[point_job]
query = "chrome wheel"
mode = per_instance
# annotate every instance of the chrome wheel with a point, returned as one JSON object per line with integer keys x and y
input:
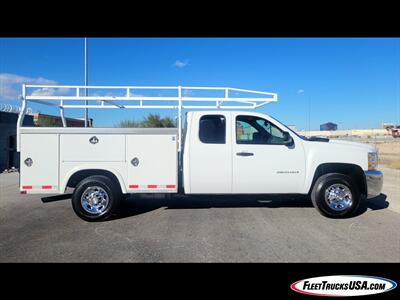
{"x": 94, "y": 200}
{"x": 338, "y": 197}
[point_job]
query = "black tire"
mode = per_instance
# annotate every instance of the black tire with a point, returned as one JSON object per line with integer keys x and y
{"x": 113, "y": 194}
{"x": 326, "y": 181}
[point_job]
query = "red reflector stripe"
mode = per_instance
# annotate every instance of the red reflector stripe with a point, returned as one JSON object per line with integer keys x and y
{"x": 46, "y": 187}
{"x": 152, "y": 186}
{"x": 27, "y": 187}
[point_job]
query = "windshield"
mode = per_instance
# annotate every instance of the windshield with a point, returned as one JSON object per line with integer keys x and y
{"x": 291, "y": 130}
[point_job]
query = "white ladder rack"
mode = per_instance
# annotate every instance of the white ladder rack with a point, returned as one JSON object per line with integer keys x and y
{"x": 61, "y": 96}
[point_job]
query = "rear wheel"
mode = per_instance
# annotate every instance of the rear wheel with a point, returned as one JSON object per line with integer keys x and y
{"x": 335, "y": 195}
{"x": 96, "y": 198}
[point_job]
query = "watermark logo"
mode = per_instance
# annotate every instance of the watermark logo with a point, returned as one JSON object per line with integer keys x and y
{"x": 343, "y": 285}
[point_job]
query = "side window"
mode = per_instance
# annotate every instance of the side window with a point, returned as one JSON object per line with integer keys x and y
{"x": 255, "y": 130}
{"x": 212, "y": 129}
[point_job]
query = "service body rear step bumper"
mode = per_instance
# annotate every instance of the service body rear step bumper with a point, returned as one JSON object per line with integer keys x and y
{"x": 374, "y": 179}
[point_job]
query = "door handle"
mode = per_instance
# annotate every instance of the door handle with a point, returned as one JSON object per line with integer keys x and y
{"x": 244, "y": 154}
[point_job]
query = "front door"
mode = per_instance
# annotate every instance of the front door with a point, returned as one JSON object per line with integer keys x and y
{"x": 261, "y": 162}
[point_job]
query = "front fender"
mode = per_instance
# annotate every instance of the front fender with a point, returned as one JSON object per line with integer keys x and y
{"x": 318, "y": 154}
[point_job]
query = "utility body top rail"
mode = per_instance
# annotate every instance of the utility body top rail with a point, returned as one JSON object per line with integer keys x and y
{"x": 60, "y": 96}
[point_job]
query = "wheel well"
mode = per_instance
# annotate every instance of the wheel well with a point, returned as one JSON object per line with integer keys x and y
{"x": 80, "y": 175}
{"x": 354, "y": 171}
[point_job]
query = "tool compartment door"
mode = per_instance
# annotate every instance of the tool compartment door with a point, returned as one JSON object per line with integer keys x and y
{"x": 92, "y": 148}
{"x": 152, "y": 163}
{"x": 42, "y": 175}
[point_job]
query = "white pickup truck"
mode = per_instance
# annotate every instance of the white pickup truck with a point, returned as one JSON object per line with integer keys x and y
{"x": 221, "y": 151}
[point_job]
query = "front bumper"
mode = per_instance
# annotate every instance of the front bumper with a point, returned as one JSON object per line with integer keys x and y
{"x": 374, "y": 179}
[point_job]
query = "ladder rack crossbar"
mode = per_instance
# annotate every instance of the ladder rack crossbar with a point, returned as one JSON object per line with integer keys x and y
{"x": 161, "y": 106}
{"x": 124, "y": 98}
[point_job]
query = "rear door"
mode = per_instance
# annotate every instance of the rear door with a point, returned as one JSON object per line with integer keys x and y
{"x": 210, "y": 155}
{"x": 261, "y": 163}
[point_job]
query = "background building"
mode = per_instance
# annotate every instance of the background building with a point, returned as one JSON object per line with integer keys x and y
{"x": 328, "y": 126}
{"x": 43, "y": 120}
{"x": 9, "y": 157}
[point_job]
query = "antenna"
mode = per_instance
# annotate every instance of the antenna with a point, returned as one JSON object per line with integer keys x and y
{"x": 309, "y": 114}
{"x": 86, "y": 83}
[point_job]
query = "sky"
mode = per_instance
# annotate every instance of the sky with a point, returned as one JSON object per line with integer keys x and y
{"x": 354, "y": 82}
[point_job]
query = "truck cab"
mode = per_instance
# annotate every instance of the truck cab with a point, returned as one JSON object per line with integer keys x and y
{"x": 240, "y": 152}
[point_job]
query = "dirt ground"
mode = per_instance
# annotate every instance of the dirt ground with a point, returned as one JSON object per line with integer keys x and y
{"x": 388, "y": 153}
{"x": 389, "y": 164}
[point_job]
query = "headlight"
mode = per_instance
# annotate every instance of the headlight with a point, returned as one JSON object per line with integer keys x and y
{"x": 372, "y": 160}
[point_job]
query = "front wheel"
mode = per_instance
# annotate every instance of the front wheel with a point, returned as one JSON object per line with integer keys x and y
{"x": 335, "y": 195}
{"x": 96, "y": 198}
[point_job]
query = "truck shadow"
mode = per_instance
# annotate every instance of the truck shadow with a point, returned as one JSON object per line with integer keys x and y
{"x": 376, "y": 203}
{"x": 142, "y": 204}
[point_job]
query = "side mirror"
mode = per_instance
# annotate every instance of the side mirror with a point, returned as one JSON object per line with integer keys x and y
{"x": 287, "y": 139}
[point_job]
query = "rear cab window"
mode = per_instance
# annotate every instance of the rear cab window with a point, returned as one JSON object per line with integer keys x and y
{"x": 212, "y": 129}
